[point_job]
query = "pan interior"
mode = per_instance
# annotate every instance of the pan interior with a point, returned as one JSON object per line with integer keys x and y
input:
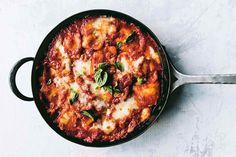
{"x": 37, "y": 72}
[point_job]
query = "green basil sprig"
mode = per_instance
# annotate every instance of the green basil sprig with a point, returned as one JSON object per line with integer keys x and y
{"x": 112, "y": 89}
{"x": 119, "y": 66}
{"x": 109, "y": 89}
{"x": 87, "y": 113}
{"x": 101, "y": 76}
{"x": 140, "y": 80}
{"x": 103, "y": 65}
{"x": 130, "y": 38}
{"x": 119, "y": 45}
{"x": 49, "y": 81}
{"x": 74, "y": 96}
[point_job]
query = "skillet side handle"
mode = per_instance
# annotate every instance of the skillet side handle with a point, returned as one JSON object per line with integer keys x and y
{"x": 13, "y": 72}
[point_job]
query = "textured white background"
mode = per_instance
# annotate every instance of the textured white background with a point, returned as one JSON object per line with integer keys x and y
{"x": 199, "y": 120}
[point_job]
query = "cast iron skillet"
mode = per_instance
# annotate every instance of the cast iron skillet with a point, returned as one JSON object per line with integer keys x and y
{"x": 170, "y": 77}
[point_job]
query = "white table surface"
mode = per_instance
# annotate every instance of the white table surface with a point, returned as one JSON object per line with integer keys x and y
{"x": 199, "y": 120}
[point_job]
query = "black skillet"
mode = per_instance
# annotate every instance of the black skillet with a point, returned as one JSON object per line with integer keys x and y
{"x": 170, "y": 77}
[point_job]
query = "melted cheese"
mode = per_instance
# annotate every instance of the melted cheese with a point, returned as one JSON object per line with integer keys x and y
{"x": 125, "y": 64}
{"x": 82, "y": 67}
{"x": 62, "y": 50}
{"x": 154, "y": 55}
{"x": 145, "y": 114}
{"x": 83, "y": 98}
{"x": 99, "y": 104}
{"x": 130, "y": 66}
{"x": 123, "y": 109}
{"x": 126, "y": 68}
{"x": 108, "y": 126}
{"x": 66, "y": 62}
{"x": 74, "y": 86}
{"x": 66, "y": 117}
{"x": 137, "y": 62}
{"x": 64, "y": 56}
{"x": 103, "y": 24}
{"x": 92, "y": 85}
{"x": 61, "y": 81}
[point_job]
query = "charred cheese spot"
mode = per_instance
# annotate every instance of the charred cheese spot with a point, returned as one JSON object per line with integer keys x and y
{"x": 105, "y": 25}
{"x": 100, "y": 28}
{"x": 104, "y": 95}
{"x": 98, "y": 57}
{"x": 146, "y": 94}
{"x": 72, "y": 42}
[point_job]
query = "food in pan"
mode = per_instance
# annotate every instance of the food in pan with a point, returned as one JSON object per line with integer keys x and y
{"x": 100, "y": 78}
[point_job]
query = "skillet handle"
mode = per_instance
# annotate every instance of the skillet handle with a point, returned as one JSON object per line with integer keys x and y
{"x": 13, "y": 72}
{"x": 182, "y": 79}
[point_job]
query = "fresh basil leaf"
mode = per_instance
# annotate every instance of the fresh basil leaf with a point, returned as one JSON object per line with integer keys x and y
{"x": 101, "y": 77}
{"x": 74, "y": 97}
{"x": 86, "y": 113}
{"x": 108, "y": 88}
{"x": 103, "y": 65}
{"x": 140, "y": 80}
{"x": 130, "y": 38}
{"x": 116, "y": 89}
{"x": 49, "y": 81}
{"x": 97, "y": 74}
{"x": 119, "y": 45}
{"x": 119, "y": 66}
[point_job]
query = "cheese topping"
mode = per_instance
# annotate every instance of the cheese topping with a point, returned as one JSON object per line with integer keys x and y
{"x": 82, "y": 67}
{"x": 124, "y": 108}
{"x": 104, "y": 25}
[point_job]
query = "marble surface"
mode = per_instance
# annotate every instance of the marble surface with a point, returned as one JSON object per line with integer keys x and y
{"x": 198, "y": 121}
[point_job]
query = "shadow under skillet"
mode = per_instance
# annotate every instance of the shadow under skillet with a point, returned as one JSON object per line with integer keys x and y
{"x": 175, "y": 100}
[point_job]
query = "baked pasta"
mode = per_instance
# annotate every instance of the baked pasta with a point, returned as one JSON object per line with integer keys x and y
{"x": 100, "y": 78}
